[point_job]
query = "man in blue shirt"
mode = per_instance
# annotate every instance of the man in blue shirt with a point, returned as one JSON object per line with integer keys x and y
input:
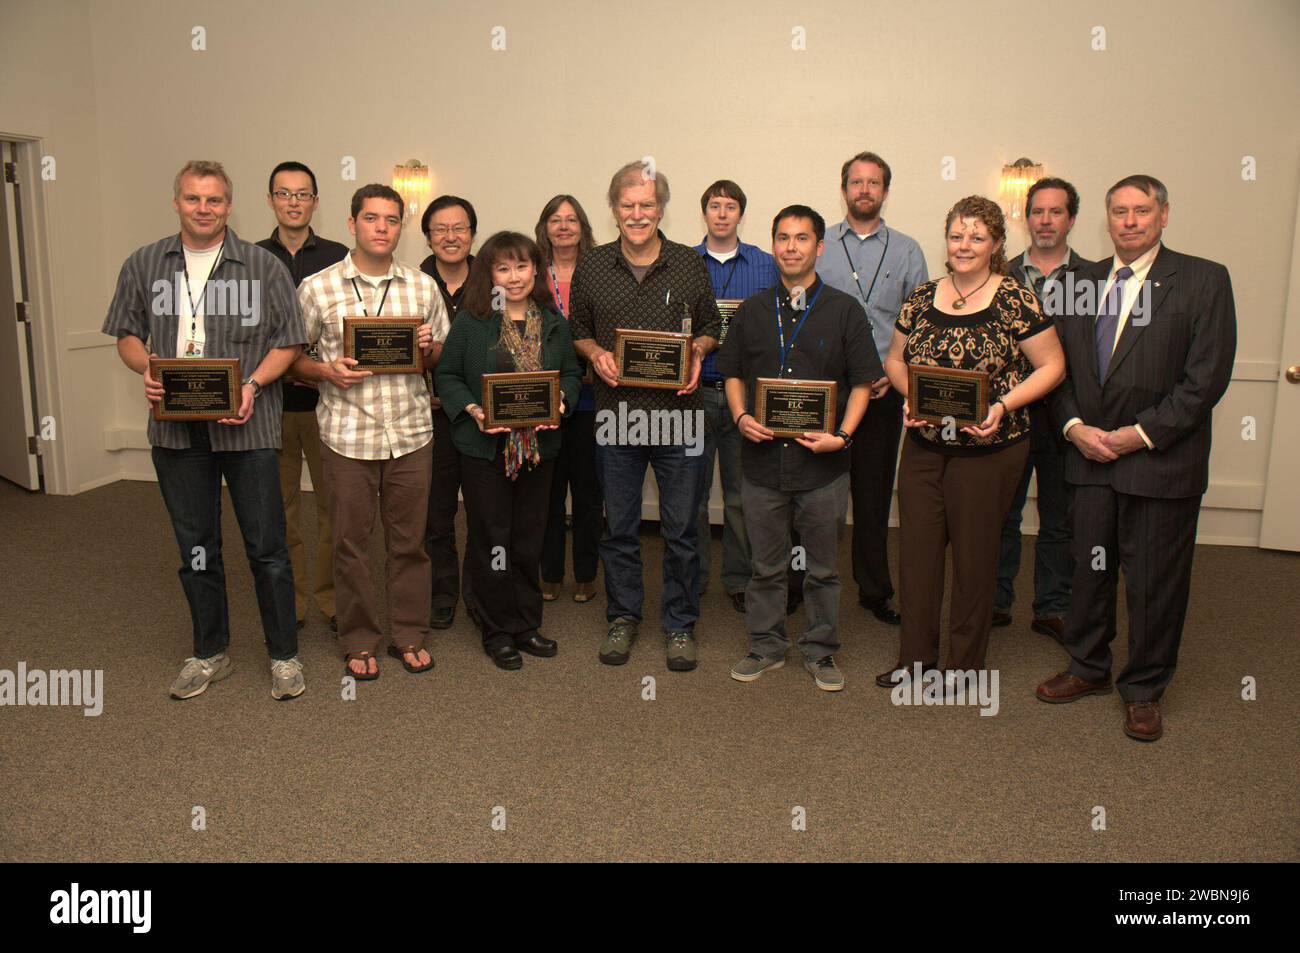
{"x": 737, "y": 270}
{"x": 880, "y": 267}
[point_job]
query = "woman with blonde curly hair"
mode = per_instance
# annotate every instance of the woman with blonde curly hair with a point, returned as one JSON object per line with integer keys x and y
{"x": 955, "y": 486}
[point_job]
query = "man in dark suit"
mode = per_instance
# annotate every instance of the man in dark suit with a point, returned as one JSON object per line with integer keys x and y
{"x": 1149, "y": 356}
{"x": 1048, "y": 265}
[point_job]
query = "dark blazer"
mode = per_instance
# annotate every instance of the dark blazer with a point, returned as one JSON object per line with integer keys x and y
{"x": 1043, "y": 424}
{"x": 470, "y": 352}
{"x": 1166, "y": 374}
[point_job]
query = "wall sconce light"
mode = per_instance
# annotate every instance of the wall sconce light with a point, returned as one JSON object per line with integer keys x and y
{"x": 414, "y": 184}
{"x": 1017, "y": 178}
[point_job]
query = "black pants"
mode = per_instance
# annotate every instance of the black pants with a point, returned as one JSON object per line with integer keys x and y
{"x": 575, "y": 470}
{"x": 506, "y": 519}
{"x": 1153, "y": 541}
{"x": 874, "y": 458}
{"x": 440, "y": 524}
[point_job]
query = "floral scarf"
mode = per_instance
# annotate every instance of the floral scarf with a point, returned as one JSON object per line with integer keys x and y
{"x": 526, "y": 351}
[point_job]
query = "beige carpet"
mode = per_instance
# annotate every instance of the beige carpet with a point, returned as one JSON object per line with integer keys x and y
{"x": 583, "y": 766}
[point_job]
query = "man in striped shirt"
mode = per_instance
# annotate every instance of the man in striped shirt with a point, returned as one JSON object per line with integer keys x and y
{"x": 206, "y": 294}
{"x": 377, "y": 433}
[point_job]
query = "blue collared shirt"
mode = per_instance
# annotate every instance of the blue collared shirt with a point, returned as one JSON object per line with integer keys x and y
{"x": 747, "y": 272}
{"x": 889, "y": 266}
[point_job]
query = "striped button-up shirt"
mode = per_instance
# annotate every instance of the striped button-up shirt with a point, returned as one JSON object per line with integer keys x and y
{"x": 387, "y": 415}
{"x": 880, "y": 271}
{"x": 248, "y": 308}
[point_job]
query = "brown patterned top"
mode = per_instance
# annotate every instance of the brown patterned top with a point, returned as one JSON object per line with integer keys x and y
{"x": 985, "y": 340}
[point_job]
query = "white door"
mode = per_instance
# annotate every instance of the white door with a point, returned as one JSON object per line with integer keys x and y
{"x": 17, "y": 418}
{"x": 1281, "y": 522}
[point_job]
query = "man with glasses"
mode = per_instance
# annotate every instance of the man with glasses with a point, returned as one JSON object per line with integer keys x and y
{"x": 292, "y": 197}
{"x": 643, "y": 281}
{"x": 449, "y": 224}
{"x": 879, "y": 266}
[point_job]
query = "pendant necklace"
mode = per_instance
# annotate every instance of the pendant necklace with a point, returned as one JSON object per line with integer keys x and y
{"x": 961, "y": 298}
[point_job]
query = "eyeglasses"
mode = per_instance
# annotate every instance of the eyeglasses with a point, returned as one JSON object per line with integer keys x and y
{"x": 284, "y": 195}
{"x": 442, "y": 231}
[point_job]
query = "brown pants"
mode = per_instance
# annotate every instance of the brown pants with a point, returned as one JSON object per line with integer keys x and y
{"x": 963, "y": 501}
{"x": 401, "y": 487}
{"x": 302, "y": 439}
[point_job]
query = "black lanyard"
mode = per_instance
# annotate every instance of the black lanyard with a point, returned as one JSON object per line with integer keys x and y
{"x": 780, "y": 329}
{"x": 362, "y": 300}
{"x": 854, "y": 271}
{"x": 731, "y": 273}
{"x": 194, "y": 324}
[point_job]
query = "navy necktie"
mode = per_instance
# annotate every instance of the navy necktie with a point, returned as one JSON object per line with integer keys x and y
{"x": 1108, "y": 321}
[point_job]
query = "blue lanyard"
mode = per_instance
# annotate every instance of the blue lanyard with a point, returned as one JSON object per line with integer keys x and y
{"x": 555, "y": 284}
{"x": 780, "y": 330}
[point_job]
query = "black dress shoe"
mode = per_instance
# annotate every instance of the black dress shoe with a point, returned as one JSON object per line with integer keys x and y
{"x": 1001, "y": 618}
{"x": 441, "y": 617}
{"x": 882, "y": 610}
{"x": 505, "y": 656}
{"x": 891, "y": 678}
{"x": 793, "y": 600}
{"x": 738, "y": 601}
{"x": 536, "y": 645}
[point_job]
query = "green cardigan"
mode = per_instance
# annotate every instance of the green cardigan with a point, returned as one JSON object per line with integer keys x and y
{"x": 468, "y": 353}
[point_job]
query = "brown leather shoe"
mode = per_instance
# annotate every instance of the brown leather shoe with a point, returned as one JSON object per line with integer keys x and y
{"x": 1050, "y": 625}
{"x": 1142, "y": 721}
{"x": 584, "y": 591}
{"x": 550, "y": 591}
{"x": 891, "y": 678}
{"x": 1001, "y": 618}
{"x": 1065, "y": 687}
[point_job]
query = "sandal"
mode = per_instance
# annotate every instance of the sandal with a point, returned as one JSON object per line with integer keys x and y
{"x": 367, "y": 675}
{"x": 400, "y": 653}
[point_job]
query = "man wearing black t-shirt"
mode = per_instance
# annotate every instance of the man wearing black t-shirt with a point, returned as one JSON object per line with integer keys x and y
{"x": 800, "y": 329}
{"x": 291, "y": 194}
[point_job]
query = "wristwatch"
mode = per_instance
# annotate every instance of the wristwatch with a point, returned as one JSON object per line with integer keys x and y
{"x": 257, "y": 388}
{"x": 847, "y": 438}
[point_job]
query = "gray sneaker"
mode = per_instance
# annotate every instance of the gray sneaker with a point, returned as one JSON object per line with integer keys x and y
{"x": 198, "y": 673}
{"x": 286, "y": 679}
{"x": 617, "y": 646}
{"x": 825, "y": 674}
{"x": 681, "y": 651}
{"x": 754, "y": 665}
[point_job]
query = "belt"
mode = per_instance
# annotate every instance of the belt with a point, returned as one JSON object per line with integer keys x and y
{"x": 719, "y": 384}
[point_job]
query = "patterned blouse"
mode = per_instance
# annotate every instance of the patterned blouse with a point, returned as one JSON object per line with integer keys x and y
{"x": 986, "y": 340}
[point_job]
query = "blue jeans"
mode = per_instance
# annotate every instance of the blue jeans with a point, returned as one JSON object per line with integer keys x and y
{"x": 721, "y": 435}
{"x": 680, "y": 480}
{"x": 1053, "y": 562}
{"x": 190, "y": 481}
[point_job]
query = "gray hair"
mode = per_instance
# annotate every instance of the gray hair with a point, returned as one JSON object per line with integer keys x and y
{"x": 1148, "y": 184}
{"x": 634, "y": 173}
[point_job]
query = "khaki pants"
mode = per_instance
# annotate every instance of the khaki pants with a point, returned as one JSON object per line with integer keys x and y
{"x": 400, "y": 488}
{"x": 302, "y": 439}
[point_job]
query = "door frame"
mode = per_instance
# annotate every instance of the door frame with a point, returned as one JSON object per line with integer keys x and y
{"x": 45, "y": 351}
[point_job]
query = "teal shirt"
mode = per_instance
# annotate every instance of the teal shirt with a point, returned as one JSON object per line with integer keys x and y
{"x": 470, "y": 352}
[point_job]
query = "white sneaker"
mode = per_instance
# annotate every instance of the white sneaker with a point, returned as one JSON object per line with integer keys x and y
{"x": 286, "y": 679}
{"x": 198, "y": 673}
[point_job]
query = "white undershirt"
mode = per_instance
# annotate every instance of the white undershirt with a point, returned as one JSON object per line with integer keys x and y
{"x": 722, "y": 257}
{"x": 191, "y": 335}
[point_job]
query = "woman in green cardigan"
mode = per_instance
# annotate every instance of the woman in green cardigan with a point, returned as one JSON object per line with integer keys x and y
{"x": 507, "y": 322}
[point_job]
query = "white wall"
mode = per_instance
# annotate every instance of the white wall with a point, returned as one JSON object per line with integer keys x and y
{"x": 1183, "y": 91}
